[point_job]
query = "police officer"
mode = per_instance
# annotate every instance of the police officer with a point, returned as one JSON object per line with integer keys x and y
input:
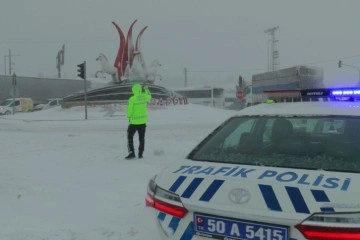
{"x": 269, "y": 100}
{"x": 137, "y": 115}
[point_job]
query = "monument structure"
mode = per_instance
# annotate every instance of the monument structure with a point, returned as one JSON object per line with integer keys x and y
{"x": 129, "y": 67}
{"x": 129, "y": 64}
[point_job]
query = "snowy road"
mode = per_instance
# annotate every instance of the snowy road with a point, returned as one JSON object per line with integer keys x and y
{"x": 64, "y": 178}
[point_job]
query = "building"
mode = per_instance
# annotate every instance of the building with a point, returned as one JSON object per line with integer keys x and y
{"x": 39, "y": 89}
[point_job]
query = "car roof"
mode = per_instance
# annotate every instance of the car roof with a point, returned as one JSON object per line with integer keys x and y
{"x": 11, "y": 99}
{"x": 304, "y": 108}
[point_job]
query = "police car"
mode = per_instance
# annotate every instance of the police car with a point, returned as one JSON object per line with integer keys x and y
{"x": 280, "y": 171}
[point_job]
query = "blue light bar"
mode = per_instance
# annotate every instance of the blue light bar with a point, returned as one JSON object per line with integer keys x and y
{"x": 339, "y": 94}
{"x": 345, "y": 92}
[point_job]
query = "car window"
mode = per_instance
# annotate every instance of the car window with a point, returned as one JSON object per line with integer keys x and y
{"x": 326, "y": 143}
{"x": 330, "y": 126}
{"x": 267, "y": 131}
{"x": 6, "y": 103}
{"x": 234, "y": 138}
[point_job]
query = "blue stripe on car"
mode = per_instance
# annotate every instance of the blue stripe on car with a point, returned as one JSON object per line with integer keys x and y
{"x": 161, "y": 216}
{"x": 192, "y": 187}
{"x": 177, "y": 183}
{"x": 174, "y": 223}
{"x": 327, "y": 209}
{"x": 297, "y": 200}
{"x": 320, "y": 196}
{"x": 270, "y": 197}
{"x": 212, "y": 189}
{"x": 189, "y": 232}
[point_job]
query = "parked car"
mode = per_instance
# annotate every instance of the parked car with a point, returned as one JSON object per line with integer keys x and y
{"x": 21, "y": 105}
{"x": 275, "y": 171}
{"x": 51, "y": 102}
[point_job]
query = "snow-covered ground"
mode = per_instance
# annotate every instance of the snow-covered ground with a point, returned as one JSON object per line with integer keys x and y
{"x": 65, "y": 178}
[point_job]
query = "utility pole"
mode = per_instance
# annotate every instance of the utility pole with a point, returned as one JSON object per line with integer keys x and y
{"x": 10, "y": 62}
{"x": 185, "y": 74}
{"x": 274, "y": 49}
{"x": 5, "y": 56}
{"x": 14, "y": 91}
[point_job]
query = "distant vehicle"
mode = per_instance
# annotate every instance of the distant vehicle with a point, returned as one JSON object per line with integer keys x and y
{"x": 282, "y": 85}
{"x": 230, "y": 98}
{"x": 237, "y": 105}
{"x": 276, "y": 171}
{"x": 229, "y": 101}
{"x": 21, "y": 105}
{"x": 51, "y": 102}
{"x": 208, "y": 96}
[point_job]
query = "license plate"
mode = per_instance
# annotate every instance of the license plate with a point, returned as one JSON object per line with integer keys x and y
{"x": 235, "y": 229}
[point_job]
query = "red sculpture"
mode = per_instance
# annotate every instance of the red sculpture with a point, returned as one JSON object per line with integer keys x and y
{"x": 129, "y": 64}
{"x": 127, "y": 52}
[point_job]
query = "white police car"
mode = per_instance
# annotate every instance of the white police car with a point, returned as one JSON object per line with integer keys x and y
{"x": 282, "y": 171}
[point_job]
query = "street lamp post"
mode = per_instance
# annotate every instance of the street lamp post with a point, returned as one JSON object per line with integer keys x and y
{"x": 340, "y": 64}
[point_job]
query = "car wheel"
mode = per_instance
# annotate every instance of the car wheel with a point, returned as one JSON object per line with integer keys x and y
{"x": 7, "y": 113}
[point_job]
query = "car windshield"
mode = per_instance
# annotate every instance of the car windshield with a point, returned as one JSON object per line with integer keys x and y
{"x": 328, "y": 143}
{"x": 6, "y": 102}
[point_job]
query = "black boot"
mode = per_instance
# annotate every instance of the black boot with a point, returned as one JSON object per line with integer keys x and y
{"x": 140, "y": 155}
{"x": 130, "y": 156}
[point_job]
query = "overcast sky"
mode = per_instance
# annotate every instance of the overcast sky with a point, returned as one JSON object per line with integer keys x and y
{"x": 216, "y": 40}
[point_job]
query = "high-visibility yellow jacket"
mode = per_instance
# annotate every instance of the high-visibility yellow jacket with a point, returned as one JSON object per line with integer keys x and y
{"x": 137, "y": 105}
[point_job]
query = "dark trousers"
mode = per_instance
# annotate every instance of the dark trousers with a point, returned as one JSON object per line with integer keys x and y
{"x": 130, "y": 136}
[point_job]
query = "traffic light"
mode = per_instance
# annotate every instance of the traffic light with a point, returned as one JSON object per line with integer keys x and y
{"x": 82, "y": 70}
{"x": 340, "y": 62}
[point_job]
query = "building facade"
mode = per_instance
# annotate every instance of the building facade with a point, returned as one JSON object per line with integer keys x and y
{"x": 39, "y": 89}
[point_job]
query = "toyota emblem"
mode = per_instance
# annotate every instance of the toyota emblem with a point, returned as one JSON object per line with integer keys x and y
{"x": 239, "y": 195}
